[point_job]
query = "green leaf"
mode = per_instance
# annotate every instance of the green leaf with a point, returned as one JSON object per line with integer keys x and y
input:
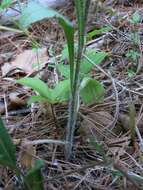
{"x": 131, "y": 73}
{"x": 61, "y": 92}
{"x": 95, "y": 56}
{"x": 65, "y": 55}
{"x": 134, "y": 37}
{"x": 5, "y": 4}
{"x": 136, "y": 18}
{"x": 133, "y": 55}
{"x": 81, "y": 19}
{"x": 35, "y": 12}
{"x": 34, "y": 177}
{"x": 7, "y": 148}
{"x": 36, "y": 99}
{"x": 64, "y": 70}
{"x": 37, "y": 85}
{"x": 96, "y": 32}
{"x": 91, "y": 91}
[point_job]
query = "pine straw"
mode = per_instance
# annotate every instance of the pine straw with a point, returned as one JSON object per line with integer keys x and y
{"x": 91, "y": 167}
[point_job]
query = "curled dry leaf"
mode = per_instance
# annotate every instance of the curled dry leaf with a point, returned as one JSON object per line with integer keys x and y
{"x": 28, "y": 151}
{"x": 28, "y": 61}
{"x": 16, "y": 100}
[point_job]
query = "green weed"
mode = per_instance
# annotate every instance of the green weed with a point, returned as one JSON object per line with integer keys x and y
{"x": 77, "y": 83}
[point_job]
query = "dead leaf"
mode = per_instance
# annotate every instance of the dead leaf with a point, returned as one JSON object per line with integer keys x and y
{"x": 28, "y": 62}
{"x": 6, "y": 68}
{"x": 16, "y": 99}
{"x": 28, "y": 151}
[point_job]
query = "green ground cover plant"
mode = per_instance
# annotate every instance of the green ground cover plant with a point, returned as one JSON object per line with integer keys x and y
{"x": 77, "y": 84}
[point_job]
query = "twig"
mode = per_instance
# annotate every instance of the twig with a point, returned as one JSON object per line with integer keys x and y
{"x": 137, "y": 130}
{"x": 113, "y": 123}
{"x": 92, "y": 165}
{"x": 6, "y": 110}
{"x": 119, "y": 166}
{"x": 45, "y": 141}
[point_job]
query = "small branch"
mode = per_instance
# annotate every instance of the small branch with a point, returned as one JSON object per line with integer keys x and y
{"x": 45, "y": 141}
{"x": 119, "y": 166}
{"x": 10, "y": 29}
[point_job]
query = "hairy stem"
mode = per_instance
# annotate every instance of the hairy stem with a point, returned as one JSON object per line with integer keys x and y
{"x": 81, "y": 11}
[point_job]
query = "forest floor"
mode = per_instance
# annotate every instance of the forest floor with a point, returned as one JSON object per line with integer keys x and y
{"x": 108, "y": 143}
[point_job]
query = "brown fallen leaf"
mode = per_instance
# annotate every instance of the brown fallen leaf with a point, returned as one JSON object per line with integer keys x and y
{"x": 28, "y": 151}
{"x": 28, "y": 62}
{"x": 16, "y": 99}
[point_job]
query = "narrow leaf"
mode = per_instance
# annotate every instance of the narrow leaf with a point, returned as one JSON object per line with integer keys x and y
{"x": 36, "y": 99}
{"x": 81, "y": 14}
{"x": 7, "y": 148}
{"x": 96, "y": 32}
{"x": 34, "y": 177}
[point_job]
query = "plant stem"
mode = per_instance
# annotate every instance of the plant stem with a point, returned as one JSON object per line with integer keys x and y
{"x": 81, "y": 11}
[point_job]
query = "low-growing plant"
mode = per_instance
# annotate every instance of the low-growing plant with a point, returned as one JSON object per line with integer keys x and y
{"x": 134, "y": 54}
{"x": 61, "y": 91}
{"x": 32, "y": 180}
{"x": 77, "y": 84}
